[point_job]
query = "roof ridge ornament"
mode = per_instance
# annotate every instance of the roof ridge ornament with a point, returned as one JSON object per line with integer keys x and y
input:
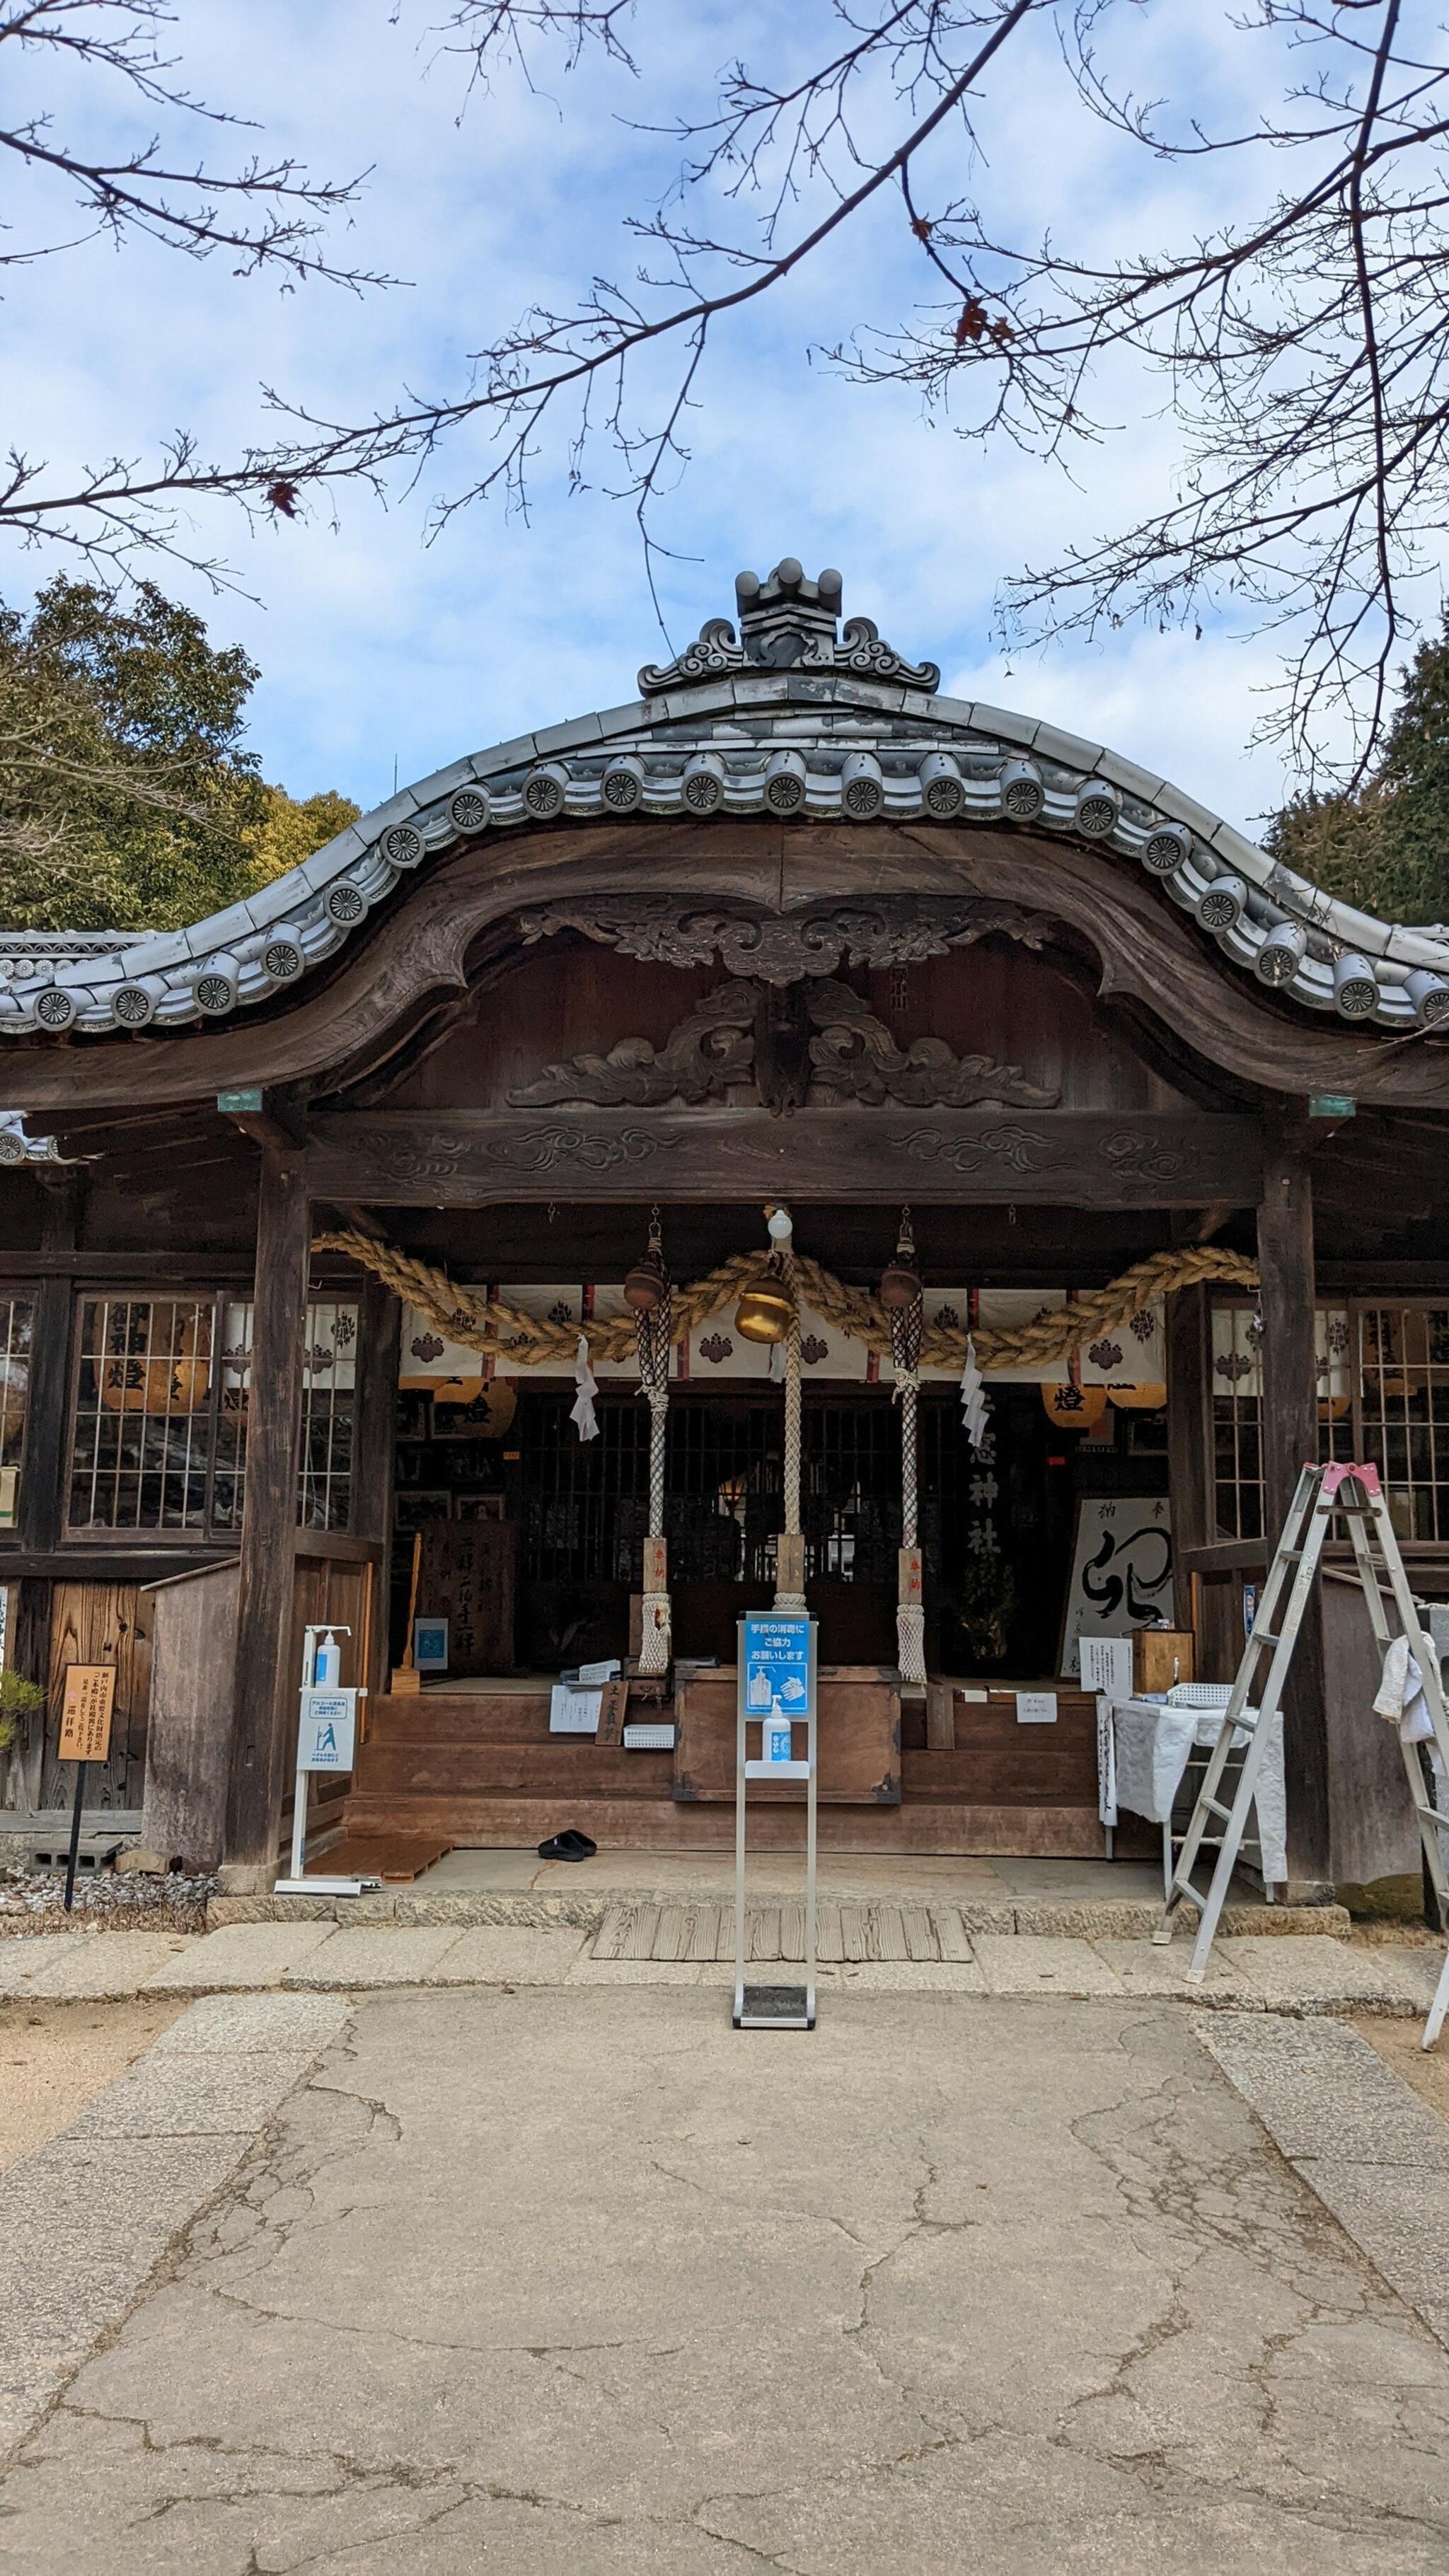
{"x": 787, "y": 622}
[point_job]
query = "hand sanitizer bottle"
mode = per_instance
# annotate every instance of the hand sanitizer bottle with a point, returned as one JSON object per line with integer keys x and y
{"x": 329, "y": 1662}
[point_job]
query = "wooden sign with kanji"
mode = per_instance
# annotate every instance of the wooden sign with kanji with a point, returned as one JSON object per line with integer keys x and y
{"x": 85, "y": 1717}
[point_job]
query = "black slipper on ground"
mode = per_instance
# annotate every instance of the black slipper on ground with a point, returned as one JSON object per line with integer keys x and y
{"x": 569, "y": 1845}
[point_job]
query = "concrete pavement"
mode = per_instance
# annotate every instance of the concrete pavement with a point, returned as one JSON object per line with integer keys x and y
{"x": 563, "y": 2278}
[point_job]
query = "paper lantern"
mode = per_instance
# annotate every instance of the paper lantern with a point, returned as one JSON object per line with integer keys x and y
{"x": 1074, "y": 1408}
{"x": 1138, "y": 1399}
{"x": 154, "y": 1386}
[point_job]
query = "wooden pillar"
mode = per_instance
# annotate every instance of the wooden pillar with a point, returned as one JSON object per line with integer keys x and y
{"x": 379, "y": 1331}
{"x": 265, "y": 1691}
{"x": 1189, "y": 1436}
{"x": 45, "y": 1463}
{"x": 1290, "y": 1436}
{"x": 379, "y": 1327}
{"x": 45, "y": 1456}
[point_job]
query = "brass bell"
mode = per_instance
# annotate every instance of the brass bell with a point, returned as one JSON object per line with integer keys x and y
{"x": 763, "y": 1313}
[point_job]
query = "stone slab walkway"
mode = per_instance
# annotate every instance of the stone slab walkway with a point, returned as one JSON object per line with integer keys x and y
{"x": 863, "y": 1947}
{"x": 1375, "y": 2154}
{"x": 87, "y": 2219}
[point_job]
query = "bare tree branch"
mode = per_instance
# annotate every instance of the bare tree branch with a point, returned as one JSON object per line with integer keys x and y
{"x": 1300, "y": 355}
{"x": 263, "y": 214}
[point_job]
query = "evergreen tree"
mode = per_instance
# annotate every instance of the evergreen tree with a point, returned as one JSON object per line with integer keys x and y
{"x": 1387, "y": 848}
{"x": 128, "y": 798}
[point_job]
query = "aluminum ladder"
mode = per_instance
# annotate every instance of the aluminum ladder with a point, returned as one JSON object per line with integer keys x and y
{"x": 1323, "y": 1495}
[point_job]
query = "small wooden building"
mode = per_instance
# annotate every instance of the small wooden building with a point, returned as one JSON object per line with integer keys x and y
{"x": 789, "y": 927}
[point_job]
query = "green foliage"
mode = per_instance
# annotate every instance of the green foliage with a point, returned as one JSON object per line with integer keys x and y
{"x": 20, "y": 1701}
{"x": 127, "y": 797}
{"x": 293, "y": 827}
{"x": 1386, "y": 849}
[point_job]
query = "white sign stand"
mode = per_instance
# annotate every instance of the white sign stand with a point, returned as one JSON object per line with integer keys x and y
{"x": 777, "y": 1693}
{"x": 326, "y": 1740}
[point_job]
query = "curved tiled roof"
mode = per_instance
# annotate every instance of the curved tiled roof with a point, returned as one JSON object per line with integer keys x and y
{"x": 791, "y": 715}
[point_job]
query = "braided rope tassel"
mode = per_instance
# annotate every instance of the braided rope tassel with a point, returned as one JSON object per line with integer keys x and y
{"x": 907, "y": 1323}
{"x": 654, "y": 1341}
{"x": 786, "y": 1600}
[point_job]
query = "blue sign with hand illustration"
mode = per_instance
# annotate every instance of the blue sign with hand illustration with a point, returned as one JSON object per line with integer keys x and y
{"x": 329, "y": 1730}
{"x": 779, "y": 1661}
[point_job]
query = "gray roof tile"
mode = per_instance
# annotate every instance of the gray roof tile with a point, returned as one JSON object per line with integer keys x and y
{"x": 820, "y": 705}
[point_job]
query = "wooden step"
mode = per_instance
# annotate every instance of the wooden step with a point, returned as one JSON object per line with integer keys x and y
{"x": 559, "y": 1766}
{"x": 396, "y": 1858}
{"x": 1054, "y": 1775}
{"x": 455, "y": 1717}
{"x": 484, "y": 1730}
{"x": 653, "y": 1823}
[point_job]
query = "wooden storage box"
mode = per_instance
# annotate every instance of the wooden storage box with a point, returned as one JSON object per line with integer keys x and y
{"x": 1162, "y": 1656}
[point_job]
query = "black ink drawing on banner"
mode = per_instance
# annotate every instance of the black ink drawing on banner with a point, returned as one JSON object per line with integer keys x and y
{"x": 1121, "y": 1575}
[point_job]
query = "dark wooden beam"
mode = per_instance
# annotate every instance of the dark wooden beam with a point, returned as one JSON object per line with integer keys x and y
{"x": 1063, "y": 1158}
{"x": 265, "y": 1698}
{"x": 198, "y": 1269}
{"x": 1189, "y": 1435}
{"x": 262, "y": 1115}
{"x": 361, "y": 1220}
{"x": 124, "y": 1563}
{"x": 1290, "y": 1436}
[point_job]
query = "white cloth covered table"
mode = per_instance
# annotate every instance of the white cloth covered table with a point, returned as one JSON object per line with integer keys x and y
{"x": 1143, "y": 1747}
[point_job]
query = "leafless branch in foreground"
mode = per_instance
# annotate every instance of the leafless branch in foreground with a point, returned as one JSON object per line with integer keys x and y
{"x": 1301, "y": 355}
{"x": 261, "y": 214}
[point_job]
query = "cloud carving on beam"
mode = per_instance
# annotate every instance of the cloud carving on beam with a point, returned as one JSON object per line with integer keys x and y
{"x": 730, "y": 1042}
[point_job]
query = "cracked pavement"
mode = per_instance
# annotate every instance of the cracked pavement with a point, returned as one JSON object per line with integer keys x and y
{"x": 556, "y": 2278}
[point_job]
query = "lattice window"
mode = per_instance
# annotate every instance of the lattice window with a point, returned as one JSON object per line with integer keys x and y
{"x": 142, "y": 1445}
{"x": 1403, "y": 1408}
{"x": 584, "y": 1507}
{"x": 160, "y": 1419}
{"x": 1361, "y": 1413}
{"x": 15, "y": 1322}
{"x": 328, "y": 1406}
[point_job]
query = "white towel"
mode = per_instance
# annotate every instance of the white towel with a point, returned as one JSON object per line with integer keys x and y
{"x": 1401, "y": 1695}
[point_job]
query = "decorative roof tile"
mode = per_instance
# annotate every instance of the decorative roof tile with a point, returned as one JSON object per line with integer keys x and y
{"x": 789, "y": 712}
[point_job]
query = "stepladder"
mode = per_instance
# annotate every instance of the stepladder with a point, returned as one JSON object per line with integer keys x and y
{"x": 1327, "y": 1502}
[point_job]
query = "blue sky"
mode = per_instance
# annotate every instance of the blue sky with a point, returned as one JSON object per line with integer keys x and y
{"x": 377, "y": 646}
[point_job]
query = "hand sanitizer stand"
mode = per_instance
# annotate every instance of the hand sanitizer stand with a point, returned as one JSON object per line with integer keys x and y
{"x": 326, "y": 1740}
{"x": 777, "y": 1694}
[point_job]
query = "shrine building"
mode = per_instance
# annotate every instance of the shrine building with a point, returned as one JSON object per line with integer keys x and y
{"x": 792, "y": 1136}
